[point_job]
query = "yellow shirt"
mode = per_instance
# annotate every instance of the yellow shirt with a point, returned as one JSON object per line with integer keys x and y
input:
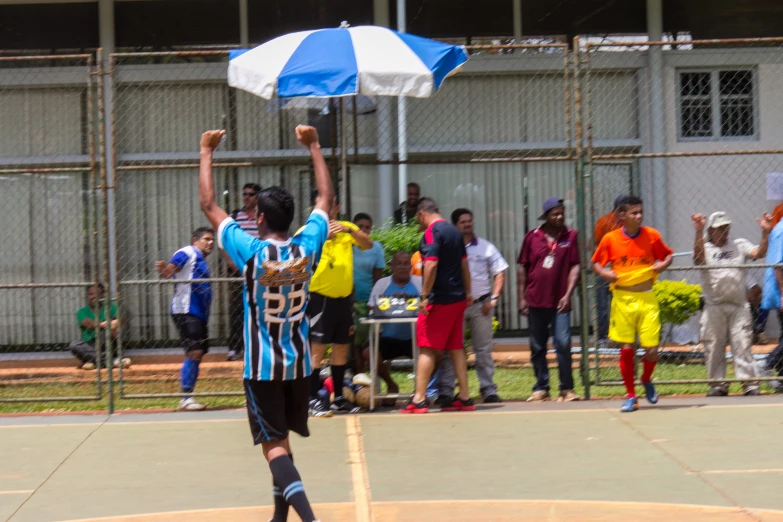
{"x": 334, "y": 275}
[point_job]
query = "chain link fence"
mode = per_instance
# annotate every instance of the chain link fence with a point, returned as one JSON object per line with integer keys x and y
{"x": 519, "y": 124}
{"x": 691, "y": 127}
{"x": 51, "y": 192}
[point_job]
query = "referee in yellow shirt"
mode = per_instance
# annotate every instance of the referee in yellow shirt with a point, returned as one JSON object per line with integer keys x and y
{"x": 331, "y": 310}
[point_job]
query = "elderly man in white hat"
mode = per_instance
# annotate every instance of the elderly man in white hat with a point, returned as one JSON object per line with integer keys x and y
{"x": 726, "y": 315}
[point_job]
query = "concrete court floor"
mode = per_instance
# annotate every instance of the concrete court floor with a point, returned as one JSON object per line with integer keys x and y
{"x": 685, "y": 459}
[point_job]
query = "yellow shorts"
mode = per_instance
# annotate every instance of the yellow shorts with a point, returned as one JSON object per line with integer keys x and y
{"x": 632, "y": 314}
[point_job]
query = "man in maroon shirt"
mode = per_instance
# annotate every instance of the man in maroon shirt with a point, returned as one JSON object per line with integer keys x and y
{"x": 547, "y": 275}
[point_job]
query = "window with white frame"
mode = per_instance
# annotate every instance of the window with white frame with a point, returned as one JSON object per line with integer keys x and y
{"x": 717, "y": 104}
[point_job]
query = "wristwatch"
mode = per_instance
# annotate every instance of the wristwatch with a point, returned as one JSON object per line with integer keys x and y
{"x": 424, "y": 297}
{"x": 494, "y": 297}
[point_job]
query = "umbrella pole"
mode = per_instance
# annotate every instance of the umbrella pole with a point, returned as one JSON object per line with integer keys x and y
{"x": 344, "y": 160}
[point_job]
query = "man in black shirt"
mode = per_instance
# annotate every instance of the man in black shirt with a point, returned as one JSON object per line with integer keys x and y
{"x": 411, "y": 205}
{"x": 442, "y": 308}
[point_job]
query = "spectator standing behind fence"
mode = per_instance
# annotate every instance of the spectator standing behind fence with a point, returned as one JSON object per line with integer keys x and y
{"x": 637, "y": 254}
{"x": 607, "y": 223}
{"x": 408, "y": 208}
{"x": 395, "y": 339}
{"x": 726, "y": 315}
{"x": 368, "y": 266}
{"x": 771, "y": 300}
{"x": 330, "y": 310}
{"x": 444, "y": 298}
{"x": 84, "y": 349}
{"x": 246, "y": 219}
{"x": 487, "y": 277}
{"x": 190, "y": 307}
{"x": 546, "y": 278}
{"x": 758, "y": 313}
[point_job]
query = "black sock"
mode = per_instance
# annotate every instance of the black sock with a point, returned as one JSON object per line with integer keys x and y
{"x": 281, "y": 506}
{"x": 285, "y": 475}
{"x": 338, "y": 375}
{"x": 315, "y": 383}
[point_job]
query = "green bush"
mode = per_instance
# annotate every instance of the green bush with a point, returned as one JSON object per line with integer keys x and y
{"x": 678, "y": 300}
{"x": 395, "y": 237}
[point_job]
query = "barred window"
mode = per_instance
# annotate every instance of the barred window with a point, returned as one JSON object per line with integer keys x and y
{"x": 717, "y": 104}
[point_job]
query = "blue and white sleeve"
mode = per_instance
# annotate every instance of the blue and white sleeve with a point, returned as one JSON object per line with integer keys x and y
{"x": 315, "y": 232}
{"x": 179, "y": 259}
{"x": 238, "y": 244}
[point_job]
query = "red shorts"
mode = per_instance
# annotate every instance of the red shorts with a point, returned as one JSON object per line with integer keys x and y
{"x": 443, "y": 327}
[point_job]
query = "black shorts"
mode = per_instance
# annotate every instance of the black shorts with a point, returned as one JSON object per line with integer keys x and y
{"x": 331, "y": 320}
{"x": 276, "y": 407}
{"x": 391, "y": 348}
{"x": 193, "y": 332}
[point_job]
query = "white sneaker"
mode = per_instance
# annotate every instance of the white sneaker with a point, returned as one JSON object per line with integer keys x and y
{"x": 125, "y": 362}
{"x": 88, "y": 366}
{"x": 190, "y": 404}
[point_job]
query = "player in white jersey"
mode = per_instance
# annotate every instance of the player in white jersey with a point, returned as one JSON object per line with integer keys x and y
{"x": 276, "y": 268}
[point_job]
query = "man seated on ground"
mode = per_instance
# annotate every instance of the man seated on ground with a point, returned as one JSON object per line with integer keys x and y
{"x": 84, "y": 350}
{"x": 396, "y": 340}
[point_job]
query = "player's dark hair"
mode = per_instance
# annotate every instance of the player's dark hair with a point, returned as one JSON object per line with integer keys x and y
{"x": 362, "y": 216}
{"x": 200, "y": 232}
{"x": 255, "y": 186}
{"x": 414, "y": 184}
{"x": 399, "y": 253}
{"x": 277, "y": 205}
{"x": 96, "y": 285}
{"x": 428, "y": 205}
{"x": 458, "y": 214}
{"x": 630, "y": 201}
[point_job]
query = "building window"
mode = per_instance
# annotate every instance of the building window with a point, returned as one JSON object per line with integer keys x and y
{"x": 717, "y": 104}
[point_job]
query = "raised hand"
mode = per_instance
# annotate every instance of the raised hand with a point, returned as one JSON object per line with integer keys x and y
{"x": 307, "y": 135}
{"x": 699, "y": 222}
{"x": 766, "y": 223}
{"x": 211, "y": 139}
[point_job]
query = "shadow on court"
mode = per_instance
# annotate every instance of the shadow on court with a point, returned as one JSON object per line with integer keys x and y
{"x": 690, "y": 459}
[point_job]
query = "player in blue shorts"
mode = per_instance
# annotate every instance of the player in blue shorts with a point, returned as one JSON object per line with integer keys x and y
{"x": 276, "y": 268}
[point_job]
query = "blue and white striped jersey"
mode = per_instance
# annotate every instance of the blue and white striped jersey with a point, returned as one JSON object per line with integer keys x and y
{"x": 276, "y": 291}
{"x": 191, "y": 298}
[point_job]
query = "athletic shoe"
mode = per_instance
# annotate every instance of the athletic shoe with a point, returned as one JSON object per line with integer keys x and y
{"x": 458, "y": 404}
{"x": 717, "y": 392}
{"x": 630, "y": 405}
{"x": 750, "y": 392}
{"x": 125, "y": 362}
{"x": 88, "y": 366}
{"x": 443, "y": 401}
{"x": 416, "y": 407}
{"x": 539, "y": 396}
{"x": 493, "y": 398}
{"x": 649, "y": 392}
{"x": 319, "y": 408}
{"x": 233, "y": 355}
{"x": 568, "y": 396}
{"x": 190, "y": 404}
{"x": 341, "y": 405}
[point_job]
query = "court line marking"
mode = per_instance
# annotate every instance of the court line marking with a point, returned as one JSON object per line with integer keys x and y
{"x": 145, "y": 516}
{"x": 49, "y": 476}
{"x": 739, "y": 471}
{"x": 361, "y": 482}
{"x": 18, "y": 492}
{"x": 116, "y": 419}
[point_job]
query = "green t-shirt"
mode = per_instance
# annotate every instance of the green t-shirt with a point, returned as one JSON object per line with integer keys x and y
{"x": 88, "y": 334}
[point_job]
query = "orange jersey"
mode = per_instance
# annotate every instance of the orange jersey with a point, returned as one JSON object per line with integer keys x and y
{"x": 632, "y": 258}
{"x": 417, "y": 267}
{"x": 605, "y": 225}
{"x": 777, "y": 214}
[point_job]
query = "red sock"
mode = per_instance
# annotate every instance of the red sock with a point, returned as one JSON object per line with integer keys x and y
{"x": 627, "y": 368}
{"x": 649, "y": 366}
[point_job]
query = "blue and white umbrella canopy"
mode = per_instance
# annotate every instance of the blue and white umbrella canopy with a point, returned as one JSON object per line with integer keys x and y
{"x": 369, "y": 60}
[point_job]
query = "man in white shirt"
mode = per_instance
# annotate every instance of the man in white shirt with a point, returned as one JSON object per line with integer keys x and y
{"x": 726, "y": 315}
{"x": 487, "y": 276}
